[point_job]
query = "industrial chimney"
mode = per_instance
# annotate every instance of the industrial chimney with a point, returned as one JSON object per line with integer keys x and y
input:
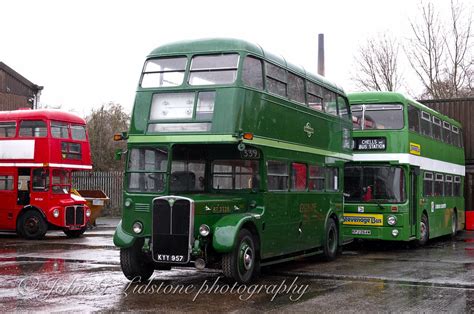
{"x": 321, "y": 54}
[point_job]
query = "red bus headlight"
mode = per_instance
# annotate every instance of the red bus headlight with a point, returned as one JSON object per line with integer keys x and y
{"x": 88, "y": 212}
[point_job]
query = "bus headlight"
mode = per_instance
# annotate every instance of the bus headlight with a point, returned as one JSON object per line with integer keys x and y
{"x": 137, "y": 227}
{"x": 88, "y": 212}
{"x": 395, "y": 233}
{"x": 392, "y": 220}
{"x": 56, "y": 212}
{"x": 128, "y": 203}
{"x": 204, "y": 230}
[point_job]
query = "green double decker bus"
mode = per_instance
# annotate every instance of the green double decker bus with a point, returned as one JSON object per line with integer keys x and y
{"x": 234, "y": 161}
{"x": 406, "y": 180}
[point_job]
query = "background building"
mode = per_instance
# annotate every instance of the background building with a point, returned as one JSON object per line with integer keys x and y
{"x": 16, "y": 91}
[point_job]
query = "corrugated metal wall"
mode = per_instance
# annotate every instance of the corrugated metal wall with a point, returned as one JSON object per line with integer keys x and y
{"x": 461, "y": 110}
{"x": 13, "y": 102}
{"x": 110, "y": 182}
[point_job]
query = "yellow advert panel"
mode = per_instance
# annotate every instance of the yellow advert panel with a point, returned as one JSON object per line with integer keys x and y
{"x": 363, "y": 219}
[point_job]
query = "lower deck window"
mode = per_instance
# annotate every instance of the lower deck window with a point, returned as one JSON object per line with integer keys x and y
{"x": 6, "y": 183}
{"x": 277, "y": 176}
{"x": 234, "y": 174}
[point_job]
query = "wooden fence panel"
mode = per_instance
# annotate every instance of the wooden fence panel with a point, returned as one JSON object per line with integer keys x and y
{"x": 110, "y": 182}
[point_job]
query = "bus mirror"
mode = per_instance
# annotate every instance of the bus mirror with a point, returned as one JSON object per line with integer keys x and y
{"x": 118, "y": 154}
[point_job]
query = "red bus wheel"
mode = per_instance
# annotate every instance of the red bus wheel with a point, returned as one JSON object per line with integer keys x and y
{"x": 32, "y": 225}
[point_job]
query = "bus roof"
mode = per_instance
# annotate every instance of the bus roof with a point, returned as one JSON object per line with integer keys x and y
{"x": 45, "y": 114}
{"x": 385, "y": 97}
{"x": 204, "y": 46}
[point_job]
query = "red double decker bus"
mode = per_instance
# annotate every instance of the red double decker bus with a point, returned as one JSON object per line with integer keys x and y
{"x": 39, "y": 149}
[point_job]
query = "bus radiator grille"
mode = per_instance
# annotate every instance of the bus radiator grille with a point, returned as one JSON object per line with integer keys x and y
{"x": 74, "y": 215}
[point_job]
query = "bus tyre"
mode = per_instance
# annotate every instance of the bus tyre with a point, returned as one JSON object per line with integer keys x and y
{"x": 241, "y": 264}
{"x": 134, "y": 263}
{"x": 75, "y": 233}
{"x": 331, "y": 241}
{"x": 454, "y": 224}
{"x": 424, "y": 231}
{"x": 32, "y": 225}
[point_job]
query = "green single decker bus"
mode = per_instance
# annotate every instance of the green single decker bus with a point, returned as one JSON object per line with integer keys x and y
{"x": 234, "y": 161}
{"x": 406, "y": 180}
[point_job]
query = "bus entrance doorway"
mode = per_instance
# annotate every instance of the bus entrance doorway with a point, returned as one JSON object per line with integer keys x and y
{"x": 414, "y": 174}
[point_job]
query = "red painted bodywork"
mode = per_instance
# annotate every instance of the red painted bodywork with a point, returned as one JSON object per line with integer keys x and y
{"x": 49, "y": 158}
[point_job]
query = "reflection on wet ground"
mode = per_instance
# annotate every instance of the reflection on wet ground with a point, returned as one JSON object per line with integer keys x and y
{"x": 61, "y": 274}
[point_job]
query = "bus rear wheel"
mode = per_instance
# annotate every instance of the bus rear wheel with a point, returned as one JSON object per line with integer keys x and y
{"x": 454, "y": 224}
{"x": 242, "y": 263}
{"x": 331, "y": 241}
{"x": 134, "y": 263}
{"x": 32, "y": 225}
{"x": 75, "y": 233}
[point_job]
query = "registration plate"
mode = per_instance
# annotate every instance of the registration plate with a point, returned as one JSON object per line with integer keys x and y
{"x": 364, "y": 232}
{"x": 169, "y": 258}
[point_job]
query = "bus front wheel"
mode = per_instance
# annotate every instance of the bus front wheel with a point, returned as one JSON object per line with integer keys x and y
{"x": 242, "y": 263}
{"x": 32, "y": 225}
{"x": 74, "y": 233}
{"x": 331, "y": 241}
{"x": 134, "y": 263}
{"x": 424, "y": 230}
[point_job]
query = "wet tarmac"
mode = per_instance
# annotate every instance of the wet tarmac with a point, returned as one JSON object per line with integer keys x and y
{"x": 61, "y": 274}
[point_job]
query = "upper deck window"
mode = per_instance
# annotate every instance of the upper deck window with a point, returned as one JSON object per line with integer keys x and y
{"x": 414, "y": 119}
{"x": 446, "y": 132}
{"x": 7, "y": 129}
{"x": 163, "y": 72}
{"x": 371, "y": 117}
{"x": 436, "y": 128}
{"x": 252, "y": 74}
{"x": 314, "y": 96}
{"x": 214, "y": 69}
{"x": 33, "y": 128}
{"x": 276, "y": 79}
{"x": 330, "y": 102}
{"x": 78, "y": 132}
{"x": 425, "y": 123}
{"x": 295, "y": 88}
{"x": 59, "y": 129}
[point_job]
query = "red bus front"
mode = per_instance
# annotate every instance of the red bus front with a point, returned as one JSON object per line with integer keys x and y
{"x": 39, "y": 149}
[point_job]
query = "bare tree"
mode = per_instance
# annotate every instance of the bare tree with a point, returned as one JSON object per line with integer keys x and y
{"x": 377, "y": 64}
{"x": 102, "y": 124}
{"x": 441, "y": 55}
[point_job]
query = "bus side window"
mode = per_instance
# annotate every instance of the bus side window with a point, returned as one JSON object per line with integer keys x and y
{"x": 448, "y": 186}
{"x": 332, "y": 183}
{"x": 276, "y": 79}
{"x": 252, "y": 74}
{"x": 316, "y": 178}
{"x": 295, "y": 88}
{"x": 7, "y": 129}
{"x": 425, "y": 123}
{"x": 343, "y": 107}
{"x": 6, "y": 183}
{"x": 40, "y": 180}
{"x": 428, "y": 184}
{"x": 330, "y": 102}
{"x": 298, "y": 177}
{"x": 33, "y": 128}
{"x": 414, "y": 119}
{"x": 439, "y": 185}
{"x": 277, "y": 176}
{"x": 314, "y": 96}
{"x": 457, "y": 186}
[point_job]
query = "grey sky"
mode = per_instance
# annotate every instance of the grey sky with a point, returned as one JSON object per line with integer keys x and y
{"x": 86, "y": 53}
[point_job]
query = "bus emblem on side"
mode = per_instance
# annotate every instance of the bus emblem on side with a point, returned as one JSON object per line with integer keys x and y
{"x": 415, "y": 149}
{"x": 308, "y": 129}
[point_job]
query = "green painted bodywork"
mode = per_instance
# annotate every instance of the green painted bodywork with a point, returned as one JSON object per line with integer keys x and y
{"x": 284, "y": 222}
{"x": 398, "y": 142}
